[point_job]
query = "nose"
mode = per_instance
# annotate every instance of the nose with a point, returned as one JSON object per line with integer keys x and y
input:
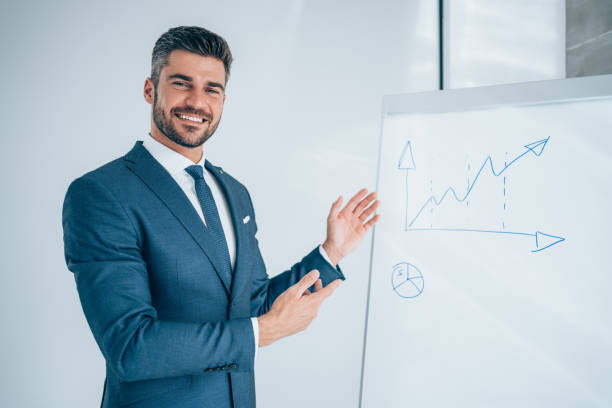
{"x": 198, "y": 100}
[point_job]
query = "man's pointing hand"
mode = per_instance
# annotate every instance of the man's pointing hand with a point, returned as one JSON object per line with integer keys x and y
{"x": 294, "y": 309}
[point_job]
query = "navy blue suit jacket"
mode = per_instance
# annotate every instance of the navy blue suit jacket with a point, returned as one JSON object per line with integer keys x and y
{"x": 172, "y": 331}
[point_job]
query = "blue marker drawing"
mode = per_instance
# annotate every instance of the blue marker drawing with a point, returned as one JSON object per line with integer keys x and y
{"x": 406, "y": 162}
{"x": 407, "y": 280}
{"x": 542, "y": 240}
{"x": 536, "y": 148}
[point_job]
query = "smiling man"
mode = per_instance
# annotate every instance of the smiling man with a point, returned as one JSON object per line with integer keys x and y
{"x": 198, "y": 118}
{"x": 163, "y": 250}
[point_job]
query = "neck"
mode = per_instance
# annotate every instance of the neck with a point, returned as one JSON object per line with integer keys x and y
{"x": 192, "y": 153}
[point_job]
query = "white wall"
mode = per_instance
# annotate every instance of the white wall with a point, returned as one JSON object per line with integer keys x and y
{"x": 301, "y": 126}
{"x": 489, "y": 42}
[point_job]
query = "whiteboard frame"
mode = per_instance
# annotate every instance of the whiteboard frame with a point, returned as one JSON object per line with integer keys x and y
{"x": 468, "y": 99}
{"x": 523, "y": 93}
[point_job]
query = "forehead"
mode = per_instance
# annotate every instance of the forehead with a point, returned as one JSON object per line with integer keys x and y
{"x": 204, "y": 68}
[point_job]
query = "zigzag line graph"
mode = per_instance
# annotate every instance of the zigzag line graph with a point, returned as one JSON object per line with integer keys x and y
{"x": 406, "y": 162}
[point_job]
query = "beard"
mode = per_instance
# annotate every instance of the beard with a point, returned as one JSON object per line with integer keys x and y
{"x": 195, "y": 137}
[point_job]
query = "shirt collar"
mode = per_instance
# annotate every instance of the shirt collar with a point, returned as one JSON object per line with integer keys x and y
{"x": 174, "y": 162}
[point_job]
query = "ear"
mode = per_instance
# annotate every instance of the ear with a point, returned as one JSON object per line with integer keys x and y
{"x": 149, "y": 91}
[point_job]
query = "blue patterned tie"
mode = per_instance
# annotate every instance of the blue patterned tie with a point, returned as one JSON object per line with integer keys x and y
{"x": 211, "y": 215}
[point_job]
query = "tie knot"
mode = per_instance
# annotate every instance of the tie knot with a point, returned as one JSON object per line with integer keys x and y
{"x": 195, "y": 171}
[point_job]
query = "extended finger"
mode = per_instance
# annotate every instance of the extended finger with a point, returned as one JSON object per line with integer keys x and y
{"x": 307, "y": 281}
{"x": 372, "y": 221}
{"x": 365, "y": 202}
{"x": 324, "y": 293}
{"x": 368, "y": 211}
{"x": 350, "y": 206}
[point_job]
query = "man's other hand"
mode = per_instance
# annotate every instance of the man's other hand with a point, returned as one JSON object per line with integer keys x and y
{"x": 347, "y": 227}
{"x": 294, "y": 309}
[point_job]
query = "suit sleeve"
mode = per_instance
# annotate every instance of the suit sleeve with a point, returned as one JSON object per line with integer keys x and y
{"x": 103, "y": 250}
{"x": 265, "y": 290}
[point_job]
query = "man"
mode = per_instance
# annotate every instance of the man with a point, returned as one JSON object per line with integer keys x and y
{"x": 162, "y": 246}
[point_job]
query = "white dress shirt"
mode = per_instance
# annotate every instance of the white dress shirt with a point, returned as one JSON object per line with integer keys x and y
{"x": 175, "y": 164}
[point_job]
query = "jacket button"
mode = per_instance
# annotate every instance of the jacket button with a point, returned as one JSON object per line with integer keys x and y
{"x": 231, "y": 306}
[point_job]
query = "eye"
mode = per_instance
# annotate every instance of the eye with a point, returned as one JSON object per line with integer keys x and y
{"x": 180, "y": 84}
{"x": 213, "y": 91}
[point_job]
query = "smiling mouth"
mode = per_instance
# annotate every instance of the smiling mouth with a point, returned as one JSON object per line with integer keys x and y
{"x": 189, "y": 118}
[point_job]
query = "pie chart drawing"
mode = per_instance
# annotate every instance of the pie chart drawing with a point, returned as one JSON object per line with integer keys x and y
{"x": 407, "y": 280}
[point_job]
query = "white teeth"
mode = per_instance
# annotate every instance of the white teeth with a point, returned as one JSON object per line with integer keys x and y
{"x": 191, "y": 118}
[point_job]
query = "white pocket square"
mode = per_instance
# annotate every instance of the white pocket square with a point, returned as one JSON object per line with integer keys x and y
{"x": 246, "y": 219}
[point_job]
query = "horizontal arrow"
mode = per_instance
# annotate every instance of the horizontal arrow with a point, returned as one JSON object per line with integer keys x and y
{"x": 542, "y": 240}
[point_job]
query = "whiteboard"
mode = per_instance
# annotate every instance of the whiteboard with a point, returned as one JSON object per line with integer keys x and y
{"x": 490, "y": 281}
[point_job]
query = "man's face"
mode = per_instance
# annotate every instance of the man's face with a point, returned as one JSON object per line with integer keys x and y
{"x": 188, "y": 100}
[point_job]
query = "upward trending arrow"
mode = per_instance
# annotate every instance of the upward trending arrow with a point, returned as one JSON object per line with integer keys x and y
{"x": 536, "y": 148}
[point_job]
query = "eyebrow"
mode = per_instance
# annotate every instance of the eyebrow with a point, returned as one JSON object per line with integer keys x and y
{"x": 180, "y": 76}
{"x": 189, "y": 79}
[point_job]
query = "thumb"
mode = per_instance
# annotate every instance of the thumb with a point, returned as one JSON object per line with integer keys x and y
{"x": 335, "y": 208}
{"x": 307, "y": 281}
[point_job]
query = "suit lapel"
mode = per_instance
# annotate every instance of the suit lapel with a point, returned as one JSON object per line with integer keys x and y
{"x": 153, "y": 174}
{"x": 240, "y": 278}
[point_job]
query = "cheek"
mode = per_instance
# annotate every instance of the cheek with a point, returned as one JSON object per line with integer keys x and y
{"x": 217, "y": 109}
{"x": 169, "y": 100}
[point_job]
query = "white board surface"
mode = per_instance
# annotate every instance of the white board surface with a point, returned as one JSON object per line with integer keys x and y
{"x": 491, "y": 277}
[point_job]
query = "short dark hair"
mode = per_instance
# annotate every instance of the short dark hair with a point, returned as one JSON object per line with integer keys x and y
{"x": 192, "y": 39}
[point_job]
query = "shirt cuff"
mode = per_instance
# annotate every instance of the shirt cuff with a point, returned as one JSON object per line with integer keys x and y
{"x": 325, "y": 256}
{"x": 255, "y": 324}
